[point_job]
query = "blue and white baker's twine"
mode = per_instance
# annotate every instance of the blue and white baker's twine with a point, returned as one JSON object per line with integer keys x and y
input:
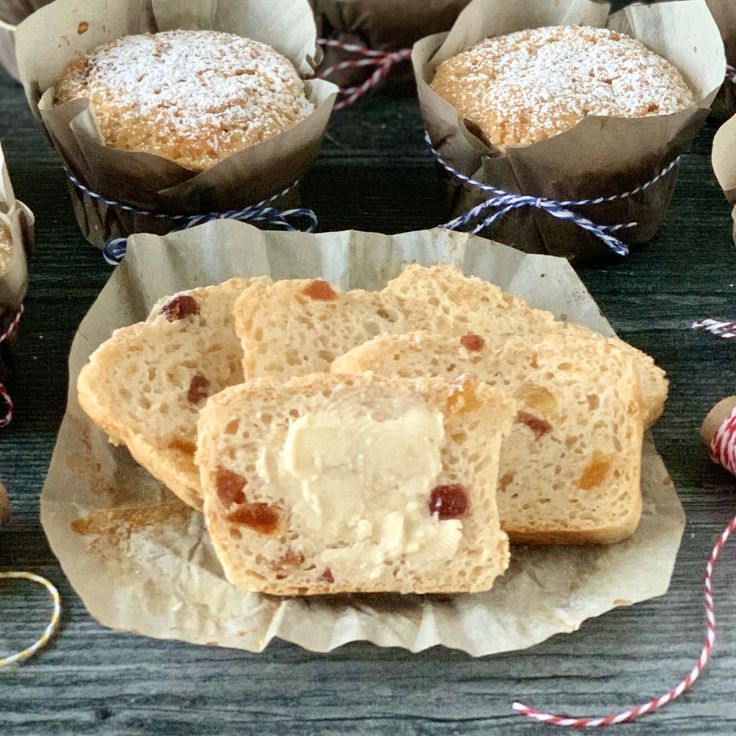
{"x": 504, "y": 202}
{"x": 114, "y": 249}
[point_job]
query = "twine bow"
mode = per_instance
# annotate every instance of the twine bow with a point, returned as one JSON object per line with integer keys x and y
{"x": 383, "y": 61}
{"x": 114, "y": 249}
{"x": 503, "y": 202}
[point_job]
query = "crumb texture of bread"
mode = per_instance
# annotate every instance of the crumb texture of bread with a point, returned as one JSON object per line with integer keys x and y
{"x": 530, "y": 85}
{"x": 146, "y": 384}
{"x": 297, "y": 327}
{"x": 475, "y": 306}
{"x": 193, "y": 97}
{"x": 333, "y": 484}
{"x": 570, "y": 469}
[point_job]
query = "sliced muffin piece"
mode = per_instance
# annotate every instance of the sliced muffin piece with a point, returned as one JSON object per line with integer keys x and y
{"x": 299, "y": 326}
{"x": 570, "y": 469}
{"x": 335, "y": 484}
{"x": 475, "y": 306}
{"x": 146, "y": 384}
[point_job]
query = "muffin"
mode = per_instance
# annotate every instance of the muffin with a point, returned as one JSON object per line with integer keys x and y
{"x": 531, "y": 85}
{"x": 6, "y": 249}
{"x": 193, "y": 97}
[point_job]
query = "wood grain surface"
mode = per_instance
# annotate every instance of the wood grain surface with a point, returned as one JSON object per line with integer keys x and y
{"x": 374, "y": 174}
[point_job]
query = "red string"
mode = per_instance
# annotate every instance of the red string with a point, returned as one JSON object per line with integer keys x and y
{"x": 383, "y": 61}
{"x": 723, "y": 452}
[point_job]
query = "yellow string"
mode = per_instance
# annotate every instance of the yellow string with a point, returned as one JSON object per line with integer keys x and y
{"x": 7, "y": 26}
{"x": 44, "y": 639}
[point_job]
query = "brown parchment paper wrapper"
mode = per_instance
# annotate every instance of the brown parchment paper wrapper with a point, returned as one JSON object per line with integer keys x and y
{"x": 13, "y": 12}
{"x": 600, "y": 156}
{"x": 142, "y": 561}
{"x": 14, "y": 282}
{"x": 385, "y": 25}
{"x": 48, "y": 40}
{"x": 724, "y": 12}
{"x": 724, "y": 163}
{"x": 19, "y": 219}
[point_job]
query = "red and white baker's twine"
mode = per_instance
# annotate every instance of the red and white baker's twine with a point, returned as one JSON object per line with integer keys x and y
{"x": 5, "y": 397}
{"x": 383, "y": 61}
{"x": 722, "y": 452}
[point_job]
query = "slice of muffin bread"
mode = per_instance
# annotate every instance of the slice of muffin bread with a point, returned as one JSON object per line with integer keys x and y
{"x": 570, "y": 469}
{"x": 475, "y": 306}
{"x": 146, "y": 384}
{"x": 296, "y": 327}
{"x": 329, "y": 484}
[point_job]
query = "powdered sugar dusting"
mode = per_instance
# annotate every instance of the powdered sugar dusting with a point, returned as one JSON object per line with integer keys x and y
{"x": 6, "y": 249}
{"x": 194, "y": 97}
{"x": 533, "y": 84}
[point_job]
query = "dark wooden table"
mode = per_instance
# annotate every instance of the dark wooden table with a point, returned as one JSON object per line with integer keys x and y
{"x": 374, "y": 174}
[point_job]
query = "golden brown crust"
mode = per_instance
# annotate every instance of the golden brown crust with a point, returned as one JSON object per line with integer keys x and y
{"x": 527, "y": 86}
{"x": 194, "y": 97}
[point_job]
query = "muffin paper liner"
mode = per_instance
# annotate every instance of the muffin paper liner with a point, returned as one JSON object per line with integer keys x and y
{"x": 598, "y": 157}
{"x": 142, "y": 561}
{"x": 12, "y": 12}
{"x": 724, "y": 12}
{"x": 19, "y": 219}
{"x": 724, "y": 164}
{"x": 49, "y": 39}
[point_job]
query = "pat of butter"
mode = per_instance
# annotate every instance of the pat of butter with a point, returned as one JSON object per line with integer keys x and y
{"x": 358, "y": 481}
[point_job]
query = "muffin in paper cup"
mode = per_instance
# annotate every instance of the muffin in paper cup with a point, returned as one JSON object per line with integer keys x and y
{"x": 724, "y": 11}
{"x": 55, "y": 35}
{"x": 12, "y": 12}
{"x": 16, "y": 242}
{"x": 598, "y": 157}
{"x": 379, "y": 25}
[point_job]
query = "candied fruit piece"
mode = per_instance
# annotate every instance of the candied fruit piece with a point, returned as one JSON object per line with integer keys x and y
{"x": 327, "y": 575}
{"x": 464, "y": 399}
{"x": 540, "y": 427}
{"x": 449, "y": 502}
{"x": 180, "y": 307}
{"x": 536, "y": 398}
{"x": 260, "y": 517}
{"x": 230, "y": 486}
{"x": 320, "y": 291}
{"x": 474, "y": 343}
{"x": 199, "y": 389}
{"x": 183, "y": 445}
{"x": 596, "y": 471}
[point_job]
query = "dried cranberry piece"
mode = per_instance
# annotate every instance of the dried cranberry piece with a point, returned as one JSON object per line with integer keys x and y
{"x": 540, "y": 427}
{"x": 320, "y": 291}
{"x": 180, "y": 307}
{"x": 327, "y": 575}
{"x": 230, "y": 486}
{"x": 472, "y": 342}
{"x": 449, "y": 502}
{"x": 261, "y": 517}
{"x": 199, "y": 389}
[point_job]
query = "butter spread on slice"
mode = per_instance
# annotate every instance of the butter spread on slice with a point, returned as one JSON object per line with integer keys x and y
{"x": 357, "y": 479}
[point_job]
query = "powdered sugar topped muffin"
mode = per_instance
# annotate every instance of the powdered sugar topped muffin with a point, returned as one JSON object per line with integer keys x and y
{"x": 531, "y": 85}
{"x": 194, "y": 97}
